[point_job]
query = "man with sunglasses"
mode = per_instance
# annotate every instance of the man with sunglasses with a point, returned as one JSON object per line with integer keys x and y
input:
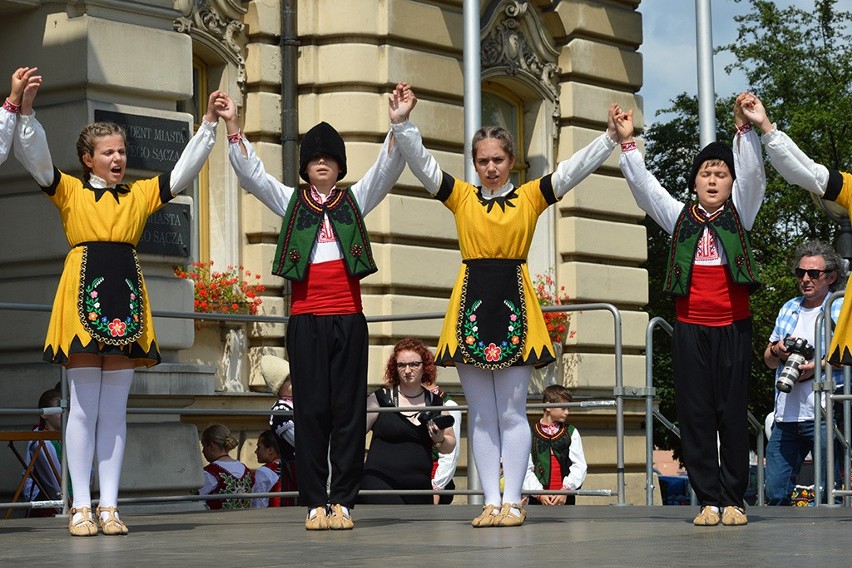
{"x": 819, "y": 271}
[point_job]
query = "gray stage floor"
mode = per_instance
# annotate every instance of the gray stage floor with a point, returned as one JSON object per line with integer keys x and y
{"x": 441, "y": 537}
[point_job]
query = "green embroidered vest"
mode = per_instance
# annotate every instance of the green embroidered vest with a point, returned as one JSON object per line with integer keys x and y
{"x": 542, "y": 444}
{"x": 301, "y": 225}
{"x": 726, "y": 224}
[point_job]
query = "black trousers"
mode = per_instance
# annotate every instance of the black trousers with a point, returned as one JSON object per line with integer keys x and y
{"x": 328, "y": 367}
{"x": 711, "y": 367}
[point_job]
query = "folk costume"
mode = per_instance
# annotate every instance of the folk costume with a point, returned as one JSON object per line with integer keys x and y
{"x": 324, "y": 251}
{"x": 227, "y": 476}
{"x": 284, "y": 429}
{"x": 831, "y": 185}
{"x": 494, "y": 331}
{"x": 101, "y": 305}
{"x": 711, "y": 274}
{"x": 267, "y": 479}
{"x": 557, "y": 460}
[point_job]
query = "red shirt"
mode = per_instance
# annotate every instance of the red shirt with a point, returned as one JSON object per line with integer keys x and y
{"x": 714, "y": 299}
{"x": 328, "y": 289}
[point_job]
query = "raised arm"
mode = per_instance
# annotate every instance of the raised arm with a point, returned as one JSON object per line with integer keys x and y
{"x": 30, "y": 140}
{"x": 796, "y": 167}
{"x": 195, "y": 154}
{"x": 651, "y": 197}
{"x": 750, "y": 186}
{"x": 575, "y": 169}
{"x": 409, "y": 141}
{"x": 12, "y": 105}
{"x": 248, "y": 167}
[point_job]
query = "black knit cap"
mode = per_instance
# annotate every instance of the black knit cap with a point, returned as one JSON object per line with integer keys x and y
{"x": 712, "y": 151}
{"x": 322, "y": 140}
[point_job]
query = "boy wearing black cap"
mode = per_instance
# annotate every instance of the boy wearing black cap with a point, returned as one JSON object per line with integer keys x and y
{"x": 324, "y": 251}
{"x": 711, "y": 273}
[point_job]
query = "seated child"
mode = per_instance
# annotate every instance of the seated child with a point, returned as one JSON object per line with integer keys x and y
{"x": 557, "y": 461}
{"x": 224, "y": 474}
{"x": 48, "y": 466}
{"x": 267, "y": 479}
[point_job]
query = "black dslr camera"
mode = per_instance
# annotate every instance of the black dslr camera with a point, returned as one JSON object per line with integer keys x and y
{"x": 800, "y": 352}
{"x": 440, "y": 420}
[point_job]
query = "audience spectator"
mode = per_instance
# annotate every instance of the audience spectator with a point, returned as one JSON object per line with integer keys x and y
{"x": 276, "y": 374}
{"x": 267, "y": 478}
{"x": 223, "y": 474}
{"x": 557, "y": 460}
{"x": 400, "y": 455}
{"x": 48, "y": 466}
{"x": 819, "y": 271}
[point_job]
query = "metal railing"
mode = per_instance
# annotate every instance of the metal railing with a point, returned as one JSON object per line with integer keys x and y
{"x": 617, "y": 402}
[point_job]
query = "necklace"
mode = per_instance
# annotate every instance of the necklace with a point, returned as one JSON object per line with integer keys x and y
{"x": 409, "y": 397}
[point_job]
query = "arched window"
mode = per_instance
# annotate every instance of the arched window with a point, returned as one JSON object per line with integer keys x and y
{"x": 500, "y": 107}
{"x": 197, "y": 106}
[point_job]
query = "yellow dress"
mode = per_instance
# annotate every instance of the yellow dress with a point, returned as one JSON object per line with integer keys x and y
{"x": 100, "y": 216}
{"x": 840, "y": 352}
{"x": 494, "y": 238}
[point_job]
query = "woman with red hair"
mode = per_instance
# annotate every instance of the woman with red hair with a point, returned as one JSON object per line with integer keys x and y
{"x": 400, "y": 455}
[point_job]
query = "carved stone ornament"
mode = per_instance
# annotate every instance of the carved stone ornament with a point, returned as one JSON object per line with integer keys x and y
{"x": 514, "y": 42}
{"x": 217, "y": 25}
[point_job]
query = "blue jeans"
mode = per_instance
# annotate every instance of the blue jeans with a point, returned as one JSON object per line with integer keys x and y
{"x": 788, "y": 446}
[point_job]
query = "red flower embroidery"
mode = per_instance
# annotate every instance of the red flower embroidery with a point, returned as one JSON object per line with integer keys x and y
{"x": 492, "y": 352}
{"x": 117, "y": 328}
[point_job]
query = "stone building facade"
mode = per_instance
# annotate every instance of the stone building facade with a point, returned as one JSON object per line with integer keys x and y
{"x": 549, "y": 72}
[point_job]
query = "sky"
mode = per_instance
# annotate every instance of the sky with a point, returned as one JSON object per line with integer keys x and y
{"x": 669, "y": 58}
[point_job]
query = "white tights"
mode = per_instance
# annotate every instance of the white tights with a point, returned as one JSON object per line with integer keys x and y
{"x": 97, "y": 422}
{"x": 499, "y": 428}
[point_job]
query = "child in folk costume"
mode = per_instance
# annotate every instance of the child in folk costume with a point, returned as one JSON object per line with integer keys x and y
{"x": 557, "y": 460}
{"x": 324, "y": 250}
{"x": 267, "y": 478}
{"x": 711, "y": 275}
{"x": 494, "y": 332}
{"x": 224, "y": 474}
{"x": 101, "y": 326}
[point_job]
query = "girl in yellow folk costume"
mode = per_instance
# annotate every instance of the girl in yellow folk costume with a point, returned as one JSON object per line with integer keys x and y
{"x": 494, "y": 331}
{"x": 101, "y": 327}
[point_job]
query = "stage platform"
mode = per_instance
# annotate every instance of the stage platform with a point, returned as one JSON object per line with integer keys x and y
{"x": 441, "y": 537}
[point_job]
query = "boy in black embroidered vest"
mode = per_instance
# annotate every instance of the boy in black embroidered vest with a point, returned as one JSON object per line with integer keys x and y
{"x": 711, "y": 274}
{"x": 324, "y": 251}
{"x": 557, "y": 460}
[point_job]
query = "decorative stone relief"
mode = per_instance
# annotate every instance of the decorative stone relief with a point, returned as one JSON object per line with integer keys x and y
{"x": 514, "y": 42}
{"x": 217, "y": 24}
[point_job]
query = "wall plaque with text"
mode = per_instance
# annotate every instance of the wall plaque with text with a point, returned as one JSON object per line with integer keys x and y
{"x": 168, "y": 231}
{"x": 152, "y": 143}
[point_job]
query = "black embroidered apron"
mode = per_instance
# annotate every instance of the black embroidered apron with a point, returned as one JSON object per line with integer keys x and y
{"x": 109, "y": 300}
{"x": 492, "y": 320}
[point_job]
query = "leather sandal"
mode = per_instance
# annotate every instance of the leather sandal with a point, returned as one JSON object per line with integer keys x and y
{"x": 509, "y": 519}
{"x": 112, "y": 525}
{"x": 487, "y": 518}
{"x": 84, "y": 526}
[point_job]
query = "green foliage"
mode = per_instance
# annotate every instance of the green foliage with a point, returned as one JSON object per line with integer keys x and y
{"x": 799, "y": 63}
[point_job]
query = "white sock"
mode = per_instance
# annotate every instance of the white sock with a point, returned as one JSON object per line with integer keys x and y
{"x": 511, "y": 386}
{"x": 112, "y": 432}
{"x": 483, "y": 428}
{"x": 84, "y": 386}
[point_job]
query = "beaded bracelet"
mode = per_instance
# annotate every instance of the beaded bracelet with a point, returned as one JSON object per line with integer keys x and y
{"x": 744, "y": 128}
{"x": 628, "y": 146}
{"x": 11, "y": 107}
{"x": 235, "y": 137}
